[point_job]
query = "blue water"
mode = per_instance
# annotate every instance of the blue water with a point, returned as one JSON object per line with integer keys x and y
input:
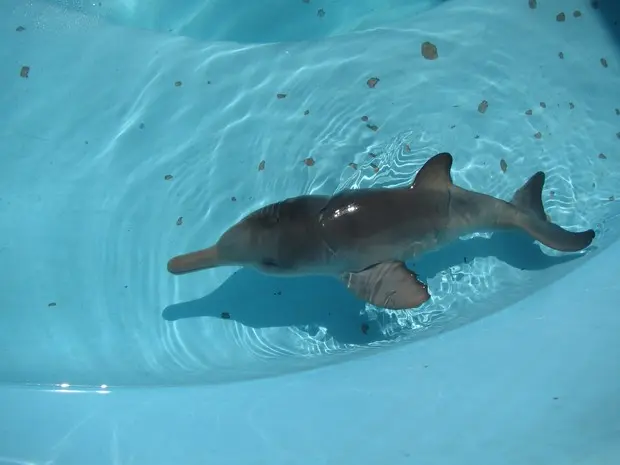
{"x": 139, "y": 132}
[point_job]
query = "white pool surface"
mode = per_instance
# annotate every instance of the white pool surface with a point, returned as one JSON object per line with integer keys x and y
{"x": 136, "y": 130}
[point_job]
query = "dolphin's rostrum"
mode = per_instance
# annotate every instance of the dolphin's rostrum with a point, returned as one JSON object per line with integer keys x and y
{"x": 364, "y": 236}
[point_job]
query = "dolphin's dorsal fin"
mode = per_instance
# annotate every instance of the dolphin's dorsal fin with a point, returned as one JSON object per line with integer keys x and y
{"x": 435, "y": 174}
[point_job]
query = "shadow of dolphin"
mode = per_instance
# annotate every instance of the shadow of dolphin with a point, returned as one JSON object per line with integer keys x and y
{"x": 261, "y": 301}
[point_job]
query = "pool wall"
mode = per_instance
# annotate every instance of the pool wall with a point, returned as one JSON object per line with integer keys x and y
{"x": 536, "y": 382}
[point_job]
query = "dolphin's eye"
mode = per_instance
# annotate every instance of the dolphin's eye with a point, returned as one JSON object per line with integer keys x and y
{"x": 269, "y": 263}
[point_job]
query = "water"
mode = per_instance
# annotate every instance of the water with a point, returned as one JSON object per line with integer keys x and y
{"x": 115, "y": 103}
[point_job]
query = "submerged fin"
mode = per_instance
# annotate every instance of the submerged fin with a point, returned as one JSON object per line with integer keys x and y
{"x": 528, "y": 197}
{"x": 388, "y": 285}
{"x": 435, "y": 173}
{"x": 194, "y": 261}
{"x": 533, "y": 219}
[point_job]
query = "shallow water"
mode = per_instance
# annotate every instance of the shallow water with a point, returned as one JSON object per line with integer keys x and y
{"x": 110, "y": 111}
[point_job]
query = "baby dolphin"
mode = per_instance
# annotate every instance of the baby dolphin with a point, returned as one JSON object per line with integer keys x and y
{"x": 364, "y": 236}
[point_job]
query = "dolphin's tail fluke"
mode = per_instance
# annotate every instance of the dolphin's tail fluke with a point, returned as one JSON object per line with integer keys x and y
{"x": 194, "y": 261}
{"x": 531, "y": 217}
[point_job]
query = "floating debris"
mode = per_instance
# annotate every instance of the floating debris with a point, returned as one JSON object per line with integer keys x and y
{"x": 528, "y": 112}
{"x": 602, "y": 156}
{"x": 180, "y": 221}
{"x": 261, "y": 165}
{"x": 20, "y": 28}
{"x": 225, "y": 315}
{"x": 561, "y": 55}
{"x": 482, "y": 107}
{"x": 571, "y": 105}
{"x": 407, "y": 148}
{"x": 320, "y": 13}
{"x": 364, "y": 118}
{"x": 543, "y": 105}
{"x": 374, "y": 167}
{"x": 281, "y": 96}
{"x": 168, "y": 177}
{"x": 141, "y": 126}
{"x": 576, "y": 13}
{"x": 604, "y": 62}
{"x": 372, "y": 82}
{"x": 24, "y": 71}
{"x": 233, "y": 198}
{"x": 429, "y": 51}
{"x": 309, "y": 161}
{"x": 533, "y": 4}
{"x": 353, "y": 165}
{"x": 503, "y": 165}
{"x": 365, "y": 328}
{"x": 372, "y": 127}
{"x": 51, "y": 304}
{"x": 178, "y": 84}
{"x": 306, "y": 113}
{"x": 538, "y": 135}
{"x": 561, "y": 17}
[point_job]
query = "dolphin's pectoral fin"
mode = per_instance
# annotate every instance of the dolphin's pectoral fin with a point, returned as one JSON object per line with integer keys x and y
{"x": 388, "y": 285}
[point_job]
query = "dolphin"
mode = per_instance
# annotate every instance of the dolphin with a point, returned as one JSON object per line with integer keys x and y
{"x": 364, "y": 236}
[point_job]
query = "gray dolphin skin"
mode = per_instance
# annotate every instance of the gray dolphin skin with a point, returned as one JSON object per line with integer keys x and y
{"x": 364, "y": 236}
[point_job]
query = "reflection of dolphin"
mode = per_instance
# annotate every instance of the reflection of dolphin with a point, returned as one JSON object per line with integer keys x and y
{"x": 364, "y": 236}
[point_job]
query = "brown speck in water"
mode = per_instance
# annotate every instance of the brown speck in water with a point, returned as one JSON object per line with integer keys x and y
{"x": 476, "y": 136}
{"x": 365, "y": 328}
{"x": 604, "y": 62}
{"x": 280, "y": 96}
{"x": 561, "y": 17}
{"x": 528, "y": 112}
{"x": 611, "y": 198}
{"x": 453, "y": 126}
{"x": 576, "y": 13}
{"x": 51, "y": 304}
{"x": 180, "y": 221}
{"x": 372, "y": 82}
{"x": 225, "y": 315}
{"x": 208, "y": 82}
{"x": 503, "y": 165}
{"x": 429, "y": 51}
{"x": 543, "y": 105}
{"x": 20, "y": 28}
{"x": 364, "y": 118}
{"x": 372, "y": 127}
{"x": 178, "y": 83}
{"x": 561, "y": 55}
{"x": 261, "y": 165}
{"x": 571, "y": 105}
{"x": 309, "y": 161}
{"x": 482, "y": 106}
{"x": 24, "y": 71}
{"x": 320, "y": 13}
{"x": 233, "y": 198}
{"x": 168, "y": 177}
{"x": 538, "y": 135}
{"x": 407, "y": 149}
{"x": 306, "y": 113}
{"x": 374, "y": 167}
{"x": 372, "y": 155}
{"x": 353, "y": 165}
{"x": 552, "y": 194}
{"x": 602, "y": 156}
{"x": 533, "y": 4}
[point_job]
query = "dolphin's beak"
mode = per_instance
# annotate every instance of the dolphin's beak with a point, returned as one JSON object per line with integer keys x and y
{"x": 194, "y": 261}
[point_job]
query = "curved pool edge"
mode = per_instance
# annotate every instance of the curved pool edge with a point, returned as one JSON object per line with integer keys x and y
{"x": 535, "y": 383}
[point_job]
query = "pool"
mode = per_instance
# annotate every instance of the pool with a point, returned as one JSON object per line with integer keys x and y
{"x": 134, "y": 131}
